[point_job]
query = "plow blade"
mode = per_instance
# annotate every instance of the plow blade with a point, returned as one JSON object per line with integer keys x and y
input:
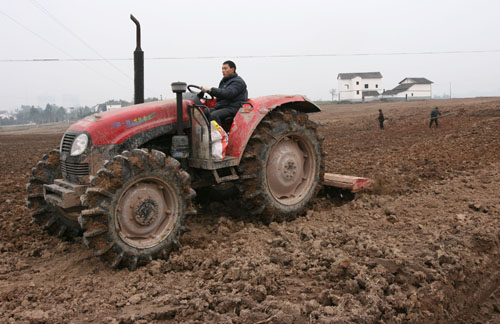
{"x": 354, "y": 184}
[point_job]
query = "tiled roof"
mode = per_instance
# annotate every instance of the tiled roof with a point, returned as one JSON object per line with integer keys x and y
{"x": 363, "y": 75}
{"x": 399, "y": 88}
{"x": 417, "y": 81}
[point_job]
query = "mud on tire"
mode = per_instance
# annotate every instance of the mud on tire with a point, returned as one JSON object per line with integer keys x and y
{"x": 50, "y": 218}
{"x": 282, "y": 166}
{"x": 136, "y": 207}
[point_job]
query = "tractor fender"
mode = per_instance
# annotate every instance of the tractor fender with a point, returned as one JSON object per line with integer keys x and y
{"x": 248, "y": 118}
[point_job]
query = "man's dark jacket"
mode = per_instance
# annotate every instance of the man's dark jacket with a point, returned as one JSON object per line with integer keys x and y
{"x": 232, "y": 91}
{"x": 435, "y": 113}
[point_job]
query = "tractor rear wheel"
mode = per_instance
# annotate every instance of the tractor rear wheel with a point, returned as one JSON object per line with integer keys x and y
{"x": 136, "y": 207}
{"x": 52, "y": 219}
{"x": 282, "y": 166}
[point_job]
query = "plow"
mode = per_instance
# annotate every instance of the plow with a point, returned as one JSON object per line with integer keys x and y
{"x": 350, "y": 183}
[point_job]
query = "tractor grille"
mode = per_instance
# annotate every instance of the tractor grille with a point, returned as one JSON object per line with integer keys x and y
{"x": 75, "y": 169}
{"x": 67, "y": 142}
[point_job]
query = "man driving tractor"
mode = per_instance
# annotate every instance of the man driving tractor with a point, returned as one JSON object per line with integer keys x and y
{"x": 230, "y": 94}
{"x": 128, "y": 187}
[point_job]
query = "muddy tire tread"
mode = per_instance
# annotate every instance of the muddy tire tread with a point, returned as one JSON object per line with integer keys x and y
{"x": 255, "y": 198}
{"x": 43, "y": 214}
{"x": 105, "y": 189}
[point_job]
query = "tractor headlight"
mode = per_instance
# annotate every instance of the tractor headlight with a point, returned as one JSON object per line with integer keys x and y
{"x": 79, "y": 144}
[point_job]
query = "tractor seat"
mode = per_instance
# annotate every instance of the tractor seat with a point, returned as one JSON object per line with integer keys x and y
{"x": 226, "y": 123}
{"x": 228, "y": 120}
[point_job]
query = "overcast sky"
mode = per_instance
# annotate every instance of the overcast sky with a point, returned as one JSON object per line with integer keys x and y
{"x": 93, "y": 29}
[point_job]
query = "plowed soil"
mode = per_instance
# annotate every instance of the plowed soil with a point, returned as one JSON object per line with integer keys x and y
{"x": 423, "y": 247}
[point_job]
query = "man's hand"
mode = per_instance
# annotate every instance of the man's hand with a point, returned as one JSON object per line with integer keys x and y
{"x": 205, "y": 89}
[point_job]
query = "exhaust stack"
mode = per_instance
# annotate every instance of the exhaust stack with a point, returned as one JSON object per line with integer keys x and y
{"x": 138, "y": 65}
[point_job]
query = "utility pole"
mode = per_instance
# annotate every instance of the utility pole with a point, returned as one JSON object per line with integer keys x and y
{"x": 450, "y": 90}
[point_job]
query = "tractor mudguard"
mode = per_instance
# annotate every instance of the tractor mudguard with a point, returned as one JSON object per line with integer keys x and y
{"x": 248, "y": 117}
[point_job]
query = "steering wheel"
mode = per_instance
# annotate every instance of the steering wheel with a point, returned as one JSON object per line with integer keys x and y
{"x": 199, "y": 93}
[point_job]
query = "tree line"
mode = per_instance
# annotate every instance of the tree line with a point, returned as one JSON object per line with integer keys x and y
{"x": 53, "y": 113}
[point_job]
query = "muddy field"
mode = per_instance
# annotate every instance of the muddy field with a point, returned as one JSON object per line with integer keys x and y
{"x": 422, "y": 248}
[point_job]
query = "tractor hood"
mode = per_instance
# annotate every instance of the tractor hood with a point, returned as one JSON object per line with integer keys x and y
{"x": 115, "y": 126}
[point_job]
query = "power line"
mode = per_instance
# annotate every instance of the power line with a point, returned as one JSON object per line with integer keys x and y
{"x": 59, "y": 49}
{"x": 326, "y": 55}
{"x": 253, "y": 56}
{"x": 48, "y": 14}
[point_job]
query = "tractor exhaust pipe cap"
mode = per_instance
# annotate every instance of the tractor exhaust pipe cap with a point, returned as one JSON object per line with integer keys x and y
{"x": 179, "y": 87}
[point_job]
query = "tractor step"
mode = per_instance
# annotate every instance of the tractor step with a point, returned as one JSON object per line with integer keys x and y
{"x": 354, "y": 184}
{"x": 227, "y": 178}
{"x": 211, "y": 164}
{"x": 63, "y": 194}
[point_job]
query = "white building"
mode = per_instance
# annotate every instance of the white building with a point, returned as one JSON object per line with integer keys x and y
{"x": 4, "y": 114}
{"x": 363, "y": 86}
{"x": 111, "y": 107}
{"x": 410, "y": 89}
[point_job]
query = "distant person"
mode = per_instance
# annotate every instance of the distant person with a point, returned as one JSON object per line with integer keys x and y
{"x": 230, "y": 94}
{"x": 381, "y": 119}
{"x": 434, "y": 117}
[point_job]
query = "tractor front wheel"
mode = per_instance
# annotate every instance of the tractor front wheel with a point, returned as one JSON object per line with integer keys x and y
{"x": 52, "y": 219}
{"x": 136, "y": 208}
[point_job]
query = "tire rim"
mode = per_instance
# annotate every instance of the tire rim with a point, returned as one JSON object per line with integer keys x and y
{"x": 290, "y": 170}
{"x": 146, "y": 212}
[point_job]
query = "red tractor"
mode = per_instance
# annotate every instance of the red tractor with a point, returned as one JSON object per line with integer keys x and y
{"x": 126, "y": 178}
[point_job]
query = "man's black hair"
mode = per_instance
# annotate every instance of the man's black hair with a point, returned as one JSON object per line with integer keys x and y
{"x": 231, "y": 64}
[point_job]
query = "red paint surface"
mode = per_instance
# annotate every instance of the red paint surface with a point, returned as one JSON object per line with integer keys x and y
{"x": 111, "y": 127}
